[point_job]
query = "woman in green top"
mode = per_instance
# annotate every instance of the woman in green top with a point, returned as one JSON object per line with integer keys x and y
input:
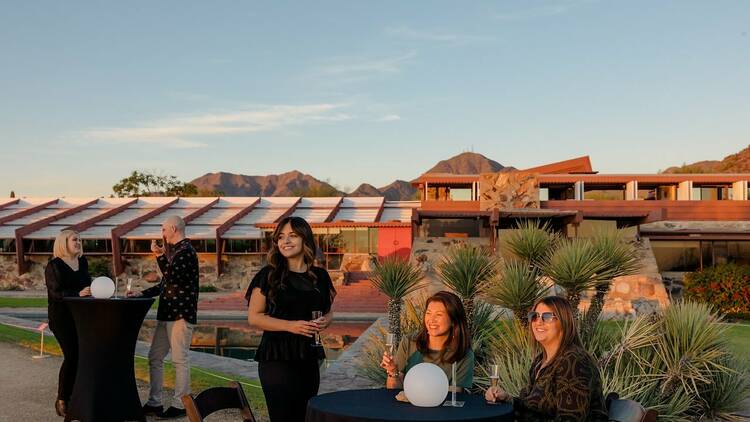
{"x": 443, "y": 340}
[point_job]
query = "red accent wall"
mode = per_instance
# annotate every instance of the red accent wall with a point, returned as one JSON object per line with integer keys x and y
{"x": 394, "y": 240}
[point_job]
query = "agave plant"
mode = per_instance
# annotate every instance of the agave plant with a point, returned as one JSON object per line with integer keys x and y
{"x": 574, "y": 265}
{"x": 517, "y": 287}
{"x": 467, "y": 270}
{"x": 531, "y": 241}
{"x": 395, "y": 277}
{"x": 618, "y": 259}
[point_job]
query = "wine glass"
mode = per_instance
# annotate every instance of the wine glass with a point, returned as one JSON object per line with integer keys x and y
{"x": 494, "y": 375}
{"x": 128, "y": 286}
{"x": 390, "y": 344}
{"x": 315, "y": 316}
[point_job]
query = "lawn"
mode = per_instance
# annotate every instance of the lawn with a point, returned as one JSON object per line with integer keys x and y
{"x": 200, "y": 379}
{"x": 36, "y": 302}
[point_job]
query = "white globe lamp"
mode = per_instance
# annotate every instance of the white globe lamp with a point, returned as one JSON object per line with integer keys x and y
{"x": 426, "y": 385}
{"x": 102, "y": 288}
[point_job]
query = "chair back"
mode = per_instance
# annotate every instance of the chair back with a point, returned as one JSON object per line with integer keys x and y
{"x": 624, "y": 410}
{"x": 215, "y": 399}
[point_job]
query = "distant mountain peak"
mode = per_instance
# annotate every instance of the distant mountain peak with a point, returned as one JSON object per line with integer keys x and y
{"x": 733, "y": 163}
{"x": 467, "y": 163}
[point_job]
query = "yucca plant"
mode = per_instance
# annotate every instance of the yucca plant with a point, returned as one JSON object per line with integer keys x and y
{"x": 510, "y": 349}
{"x": 574, "y": 265}
{"x": 619, "y": 258}
{"x": 727, "y": 390}
{"x": 467, "y": 270}
{"x": 531, "y": 241}
{"x": 395, "y": 277}
{"x": 517, "y": 287}
{"x": 692, "y": 347}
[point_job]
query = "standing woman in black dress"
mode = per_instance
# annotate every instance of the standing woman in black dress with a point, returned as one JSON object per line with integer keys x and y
{"x": 282, "y": 297}
{"x": 66, "y": 275}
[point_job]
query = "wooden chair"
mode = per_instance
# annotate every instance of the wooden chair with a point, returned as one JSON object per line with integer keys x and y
{"x": 217, "y": 398}
{"x": 624, "y": 410}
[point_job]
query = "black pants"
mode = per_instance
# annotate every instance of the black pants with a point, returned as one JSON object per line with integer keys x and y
{"x": 65, "y": 333}
{"x": 288, "y": 385}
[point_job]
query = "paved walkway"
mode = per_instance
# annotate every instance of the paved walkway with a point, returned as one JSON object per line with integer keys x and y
{"x": 31, "y": 392}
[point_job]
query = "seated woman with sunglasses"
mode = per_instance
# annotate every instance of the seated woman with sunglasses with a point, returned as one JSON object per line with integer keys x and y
{"x": 564, "y": 381}
{"x": 443, "y": 340}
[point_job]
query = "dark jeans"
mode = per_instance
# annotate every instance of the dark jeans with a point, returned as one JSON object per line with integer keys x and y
{"x": 65, "y": 333}
{"x": 287, "y": 386}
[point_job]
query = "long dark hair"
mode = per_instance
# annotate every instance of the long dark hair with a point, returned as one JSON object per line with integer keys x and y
{"x": 458, "y": 342}
{"x": 564, "y": 313}
{"x": 279, "y": 264}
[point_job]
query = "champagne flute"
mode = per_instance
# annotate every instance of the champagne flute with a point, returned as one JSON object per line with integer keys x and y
{"x": 315, "y": 316}
{"x": 494, "y": 375}
{"x": 129, "y": 286}
{"x": 390, "y": 344}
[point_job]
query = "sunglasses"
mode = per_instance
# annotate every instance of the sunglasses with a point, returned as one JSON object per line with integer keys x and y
{"x": 546, "y": 316}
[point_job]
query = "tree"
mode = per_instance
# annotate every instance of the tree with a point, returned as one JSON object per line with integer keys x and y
{"x": 396, "y": 277}
{"x": 150, "y": 184}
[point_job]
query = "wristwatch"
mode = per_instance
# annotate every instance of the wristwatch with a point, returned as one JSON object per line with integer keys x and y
{"x": 394, "y": 374}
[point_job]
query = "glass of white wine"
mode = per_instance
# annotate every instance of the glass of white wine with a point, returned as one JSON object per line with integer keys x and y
{"x": 390, "y": 344}
{"x": 315, "y": 316}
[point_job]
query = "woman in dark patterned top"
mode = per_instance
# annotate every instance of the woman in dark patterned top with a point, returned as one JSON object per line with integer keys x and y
{"x": 66, "y": 275}
{"x": 564, "y": 381}
{"x": 282, "y": 298}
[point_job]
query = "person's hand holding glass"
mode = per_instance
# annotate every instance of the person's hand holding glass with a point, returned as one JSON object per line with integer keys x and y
{"x": 389, "y": 363}
{"x": 495, "y": 393}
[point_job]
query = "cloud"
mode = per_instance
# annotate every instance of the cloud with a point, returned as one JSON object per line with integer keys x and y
{"x": 552, "y": 9}
{"x": 408, "y": 33}
{"x": 390, "y": 118}
{"x": 187, "y": 131}
{"x": 350, "y": 69}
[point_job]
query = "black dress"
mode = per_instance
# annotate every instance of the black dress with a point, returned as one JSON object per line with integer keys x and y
{"x": 62, "y": 282}
{"x": 288, "y": 364}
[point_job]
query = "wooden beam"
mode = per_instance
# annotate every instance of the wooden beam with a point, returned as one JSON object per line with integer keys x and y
{"x": 226, "y": 226}
{"x": 27, "y": 211}
{"x": 9, "y": 203}
{"x": 380, "y": 211}
{"x": 44, "y": 222}
{"x": 200, "y": 211}
{"x": 87, "y": 224}
{"x": 120, "y": 230}
{"x": 335, "y": 211}
{"x": 288, "y": 212}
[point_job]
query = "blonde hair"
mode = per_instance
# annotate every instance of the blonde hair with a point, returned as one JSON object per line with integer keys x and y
{"x": 60, "y": 249}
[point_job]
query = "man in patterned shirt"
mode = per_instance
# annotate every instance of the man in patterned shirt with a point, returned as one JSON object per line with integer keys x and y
{"x": 176, "y": 316}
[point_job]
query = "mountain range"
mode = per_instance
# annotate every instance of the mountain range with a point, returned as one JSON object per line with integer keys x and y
{"x": 295, "y": 183}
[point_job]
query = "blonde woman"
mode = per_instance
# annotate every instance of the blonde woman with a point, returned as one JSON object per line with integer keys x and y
{"x": 67, "y": 274}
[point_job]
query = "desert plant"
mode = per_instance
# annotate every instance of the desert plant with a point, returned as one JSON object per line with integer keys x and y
{"x": 531, "y": 241}
{"x": 574, "y": 265}
{"x": 619, "y": 258}
{"x": 517, "y": 287}
{"x": 99, "y": 268}
{"x": 395, "y": 277}
{"x": 467, "y": 270}
{"x": 510, "y": 348}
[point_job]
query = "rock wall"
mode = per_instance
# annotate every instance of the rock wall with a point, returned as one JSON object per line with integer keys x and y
{"x": 508, "y": 190}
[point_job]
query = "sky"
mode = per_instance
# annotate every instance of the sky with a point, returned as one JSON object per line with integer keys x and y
{"x": 354, "y": 91}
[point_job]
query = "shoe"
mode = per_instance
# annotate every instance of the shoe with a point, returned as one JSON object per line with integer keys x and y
{"x": 152, "y": 410}
{"x": 171, "y": 413}
{"x": 61, "y": 407}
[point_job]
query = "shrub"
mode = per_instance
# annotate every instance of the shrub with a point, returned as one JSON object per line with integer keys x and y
{"x": 100, "y": 268}
{"x": 726, "y": 287}
{"x": 208, "y": 288}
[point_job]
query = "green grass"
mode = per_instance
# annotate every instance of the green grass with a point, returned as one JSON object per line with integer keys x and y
{"x": 23, "y": 302}
{"x": 200, "y": 379}
{"x": 739, "y": 338}
{"x": 36, "y": 302}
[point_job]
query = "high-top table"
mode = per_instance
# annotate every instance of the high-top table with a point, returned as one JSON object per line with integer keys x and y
{"x": 105, "y": 388}
{"x": 381, "y": 405}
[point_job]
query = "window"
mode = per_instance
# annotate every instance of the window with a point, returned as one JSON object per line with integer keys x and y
{"x": 677, "y": 255}
{"x": 97, "y": 246}
{"x": 204, "y": 245}
{"x": 7, "y": 246}
{"x": 38, "y": 246}
{"x": 242, "y": 246}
